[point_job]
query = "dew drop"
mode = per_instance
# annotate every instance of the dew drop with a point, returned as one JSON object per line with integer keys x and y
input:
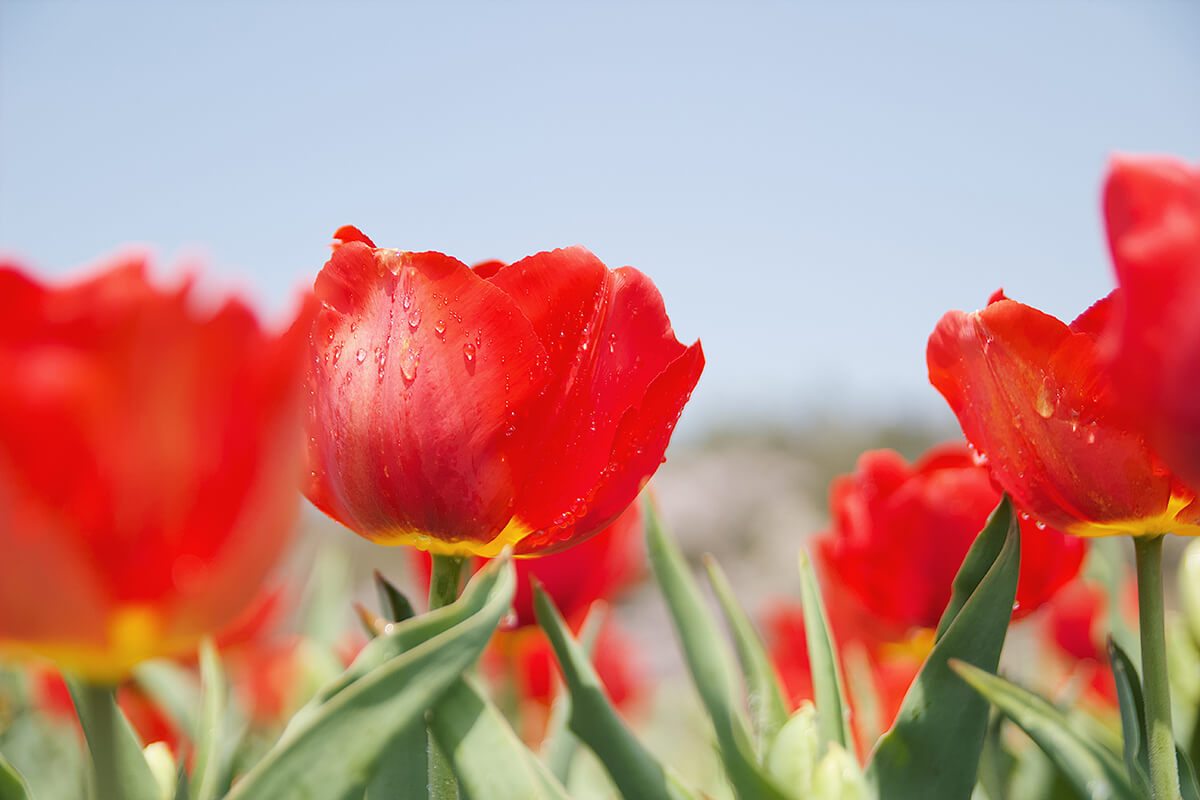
{"x": 439, "y": 327}
{"x": 469, "y": 352}
{"x": 414, "y": 318}
{"x": 1041, "y": 526}
{"x": 1045, "y": 402}
{"x": 353, "y": 327}
{"x": 329, "y": 334}
{"x": 360, "y": 356}
{"x": 409, "y": 360}
{"x": 1091, "y": 436}
{"x": 337, "y": 351}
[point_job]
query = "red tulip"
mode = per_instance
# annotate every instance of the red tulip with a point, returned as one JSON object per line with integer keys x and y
{"x": 463, "y": 411}
{"x": 1077, "y": 629}
{"x": 900, "y": 532}
{"x": 1034, "y": 398}
{"x": 1152, "y": 207}
{"x": 149, "y": 457}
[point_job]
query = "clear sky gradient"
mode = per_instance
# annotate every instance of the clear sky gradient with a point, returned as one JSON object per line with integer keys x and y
{"x": 810, "y": 185}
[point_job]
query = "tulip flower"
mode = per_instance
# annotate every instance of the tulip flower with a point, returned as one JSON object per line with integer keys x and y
{"x": 1035, "y": 400}
{"x": 1152, "y": 207}
{"x": 149, "y": 457}
{"x": 1075, "y": 626}
{"x": 464, "y": 411}
{"x": 900, "y": 532}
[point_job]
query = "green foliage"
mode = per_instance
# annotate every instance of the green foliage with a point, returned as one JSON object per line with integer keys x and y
{"x": 12, "y": 784}
{"x": 331, "y": 752}
{"x": 119, "y": 768}
{"x": 710, "y": 663}
{"x": 1090, "y": 766}
{"x": 593, "y": 719}
{"x": 768, "y": 712}
{"x": 934, "y": 746}
{"x": 832, "y": 710}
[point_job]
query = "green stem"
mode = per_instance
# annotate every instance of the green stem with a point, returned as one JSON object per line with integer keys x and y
{"x": 444, "y": 584}
{"x": 1164, "y": 771}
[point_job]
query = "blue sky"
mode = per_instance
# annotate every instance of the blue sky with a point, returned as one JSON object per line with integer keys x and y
{"x": 810, "y": 185}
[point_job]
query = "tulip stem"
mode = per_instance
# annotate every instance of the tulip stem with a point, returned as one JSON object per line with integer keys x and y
{"x": 444, "y": 583}
{"x": 117, "y": 772}
{"x": 1164, "y": 770}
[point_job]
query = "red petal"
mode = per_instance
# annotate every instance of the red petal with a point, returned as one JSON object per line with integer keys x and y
{"x": 1152, "y": 207}
{"x": 147, "y": 458}
{"x": 423, "y": 380}
{"x": 1030, "y": 396}
{"x": 620, "y": 381}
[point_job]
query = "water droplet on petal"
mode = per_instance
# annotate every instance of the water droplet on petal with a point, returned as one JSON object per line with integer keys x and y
{"x": 1045, "y": 402}
{"x": 414, "y": 318}
{"x": 360, "y": 356}
{"x": 337, "y": 351}
{"x": 409, "y": 360}
{"x": 1041, "y": 526}
{"x": 469, "y": 352}
{"x": 439, "y": 327}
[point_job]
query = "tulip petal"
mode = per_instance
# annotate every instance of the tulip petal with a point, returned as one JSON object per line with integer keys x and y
{"x": 417, "y": 350}
{"x": 1034, "y": 401}
{"x": 621, "y": 380}
{"x": 1152, "y": 207}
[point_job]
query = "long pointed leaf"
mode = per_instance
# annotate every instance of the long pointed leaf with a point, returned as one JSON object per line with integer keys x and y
{"x": 119, "y": 767}
{"x": 489, "y": 759}
{"x": 1133, "y": 717}
{"x": 333, "y": 753}
{"x": 934, "y": 745}
{"x": 559, "y": 744}
{"x": 635, "y": 772}
{"x": 12, "y": 785}
{"x": 828, "y": 688}
{"x": 208, "y": 767}
{"x": 709, "y": 661}
{"x": 1093, "y": 769}
{"x": 768, "y": 712}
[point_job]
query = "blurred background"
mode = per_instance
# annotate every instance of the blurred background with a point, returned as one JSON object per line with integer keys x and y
{"x": 811, "y": 186}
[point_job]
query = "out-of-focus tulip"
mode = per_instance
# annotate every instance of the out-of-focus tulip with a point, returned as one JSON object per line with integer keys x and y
{"x": 1075, "y": 626}
{"x": 1034, "y": 398}
{"x": 149, "y": 459}
{"x": 900, "y": 532}
{"x": 1152, "y": 207}
{"x": 463, "y": 411}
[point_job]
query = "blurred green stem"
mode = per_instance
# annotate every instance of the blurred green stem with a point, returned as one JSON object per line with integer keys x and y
{"x": 444, "y": 584}
{"x": 1164, "y": 771}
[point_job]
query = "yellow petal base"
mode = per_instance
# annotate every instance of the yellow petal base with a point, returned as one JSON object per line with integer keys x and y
{"x": 513, "y": 532}
{"x": 1146, "y": 526}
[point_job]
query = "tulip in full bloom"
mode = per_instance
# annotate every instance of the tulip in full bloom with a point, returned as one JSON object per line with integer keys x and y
{"x": 1034, "y": 397}
{"x": 900, "y": 532}
{"x": 1152, "y": 207}
{"x": 464, "y": 410}
{"x": 149, "y": 459}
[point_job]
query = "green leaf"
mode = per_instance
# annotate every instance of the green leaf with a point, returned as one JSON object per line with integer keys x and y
{"x": 709, "y": 661}
{"x": 593, "y": 719}
{"x": 119, "y": 767}
{"x": 1133, "y": 717}
{"x": 558, "y": 745}
{"x": 334, "y": 751}
{"x": 768, "y": 712}
{"x": 12, "y": 785}
{"x": 1093, "y": 769}
{"x": 489, "y": 760}
{"x": 934, "y": 745}
{"x": 828, "y": 689}
{"x": 400, "y": 637}
{"x": 395, "y": 603}
{"x": 323, "y": 614}
{"x": 208, "y": 767}
{"x": 996, "y": 762}
{"x": 403, "y": 772}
